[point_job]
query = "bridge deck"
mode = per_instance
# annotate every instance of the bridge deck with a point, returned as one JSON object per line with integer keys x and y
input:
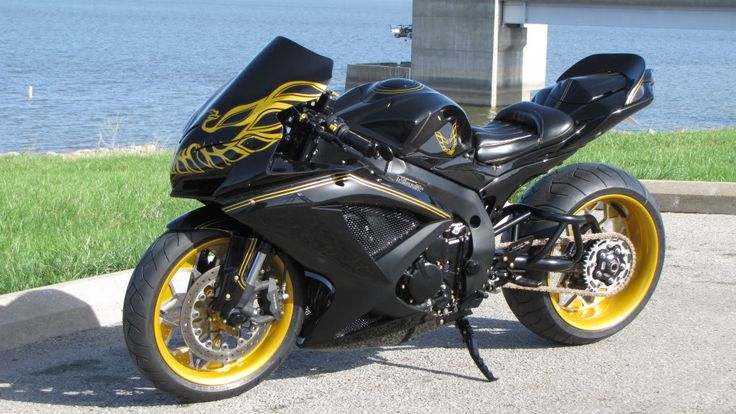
{"x": 681, "y": 14}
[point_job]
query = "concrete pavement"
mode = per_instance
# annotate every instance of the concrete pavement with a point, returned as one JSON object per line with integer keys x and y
{"x": 678, "y": 356}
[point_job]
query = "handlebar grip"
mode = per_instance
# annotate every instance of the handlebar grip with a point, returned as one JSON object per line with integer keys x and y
{"x": 355, "y": 141}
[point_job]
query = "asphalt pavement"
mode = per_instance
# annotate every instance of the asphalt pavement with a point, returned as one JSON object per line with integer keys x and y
{"x": 679, "y": 355}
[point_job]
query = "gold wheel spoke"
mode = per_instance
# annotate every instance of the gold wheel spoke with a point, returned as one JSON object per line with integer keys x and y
{"x": 570, "y": 301}
{"x": 197, "y": 362}
{"x": 170, "y": 311}
{"x": 603, "y": 208}
{"x": 166, "y": 332}
{"x": 618, "y": 226}
{"x": 180, "y": 282}
{"x": 182, "y": 355}
{"x": 214, "y": 366}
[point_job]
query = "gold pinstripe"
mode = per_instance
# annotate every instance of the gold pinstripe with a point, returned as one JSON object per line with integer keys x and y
{"x": 632, "y": 94}
{"x": 400, "y": 195}
{"x": 383, "y": 91}
{"x": 329, "y": 180}
{"x": 283, "y": 192}
{"x": 246, "y": 260}
{"x": 207, "y": 223}
{"x": 564, "y": 94}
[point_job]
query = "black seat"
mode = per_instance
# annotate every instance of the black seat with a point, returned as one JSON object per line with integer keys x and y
{"x": 520, "y": 128}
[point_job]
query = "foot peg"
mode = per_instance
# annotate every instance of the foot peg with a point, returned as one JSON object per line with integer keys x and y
{"x": 467, "y": 332}
{"x": 525, "y": 282}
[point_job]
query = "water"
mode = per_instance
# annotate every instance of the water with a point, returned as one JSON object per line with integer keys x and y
{"x": 121, "y": 72}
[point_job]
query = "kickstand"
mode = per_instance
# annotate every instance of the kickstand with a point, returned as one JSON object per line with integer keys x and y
{"x": 467, "y": 332}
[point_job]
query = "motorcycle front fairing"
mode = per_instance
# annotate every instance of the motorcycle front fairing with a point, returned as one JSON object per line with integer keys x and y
{"x": 232, "y": 137}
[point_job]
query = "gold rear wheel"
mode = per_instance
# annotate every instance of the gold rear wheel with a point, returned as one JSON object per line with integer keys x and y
{"x": 626, "y": 215}
{"x": 621, "y": 204}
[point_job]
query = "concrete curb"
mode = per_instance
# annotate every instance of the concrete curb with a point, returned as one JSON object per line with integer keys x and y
{"x": 37, "y": 314}
{"x": 693, "y": 196}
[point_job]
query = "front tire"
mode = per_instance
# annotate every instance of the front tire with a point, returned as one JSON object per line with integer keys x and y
{"x": 629, "y": 208}
{"x": 155, "y": 338}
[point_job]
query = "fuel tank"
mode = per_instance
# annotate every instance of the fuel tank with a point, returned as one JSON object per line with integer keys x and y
{"x": 416, "y": 121}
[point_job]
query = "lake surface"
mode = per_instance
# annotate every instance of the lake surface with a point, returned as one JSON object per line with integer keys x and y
{"x": 122, "y": 72}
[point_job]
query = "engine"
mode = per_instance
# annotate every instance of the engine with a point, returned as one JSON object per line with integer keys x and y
{"x": 434, "y": 278}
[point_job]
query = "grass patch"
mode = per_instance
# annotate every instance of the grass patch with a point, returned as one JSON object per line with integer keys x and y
{"x": 691, "y": 155}
{"x": 67, "y": 219}
{"x": 62, "y": 219}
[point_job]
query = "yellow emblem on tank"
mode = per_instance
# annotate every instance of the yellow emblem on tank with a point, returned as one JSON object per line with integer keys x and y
{"x": 448, "y": 145}
{"x": 259, "y": 129}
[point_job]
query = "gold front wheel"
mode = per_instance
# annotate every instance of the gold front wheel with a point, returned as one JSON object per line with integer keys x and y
{"x": 171, "y": 328}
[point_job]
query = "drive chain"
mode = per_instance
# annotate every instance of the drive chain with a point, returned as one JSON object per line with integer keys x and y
{"x": 562, "y": 244}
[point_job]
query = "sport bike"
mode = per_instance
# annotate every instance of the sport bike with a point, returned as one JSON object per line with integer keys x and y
{"x": 368, "y": 219}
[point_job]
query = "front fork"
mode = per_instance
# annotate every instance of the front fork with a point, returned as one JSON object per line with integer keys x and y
{"x": 238, "y": 282}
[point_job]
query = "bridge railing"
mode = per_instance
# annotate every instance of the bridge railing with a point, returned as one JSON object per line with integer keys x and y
{"x": 678, "y": 14}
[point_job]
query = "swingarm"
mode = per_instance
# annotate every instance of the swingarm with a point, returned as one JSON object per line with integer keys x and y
{"x": 535, "y": 252}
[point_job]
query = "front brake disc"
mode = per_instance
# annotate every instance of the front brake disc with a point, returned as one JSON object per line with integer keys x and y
{"x": 206, "y": 335}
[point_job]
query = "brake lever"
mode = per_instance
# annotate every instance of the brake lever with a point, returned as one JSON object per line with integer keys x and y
{"x": 385, "y": 152}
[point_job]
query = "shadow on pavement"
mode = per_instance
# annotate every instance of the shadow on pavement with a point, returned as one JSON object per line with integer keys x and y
{"x": 25, "y": 318}
{"x": 92, "y": 368}
{"x": 490, "y": 333}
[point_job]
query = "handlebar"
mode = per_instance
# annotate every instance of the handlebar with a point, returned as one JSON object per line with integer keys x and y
{"x": 333, "y": 129}
{"x": 363, "y": 145}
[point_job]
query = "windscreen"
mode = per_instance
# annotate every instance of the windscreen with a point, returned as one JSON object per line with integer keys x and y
{"x": 281, "y": 75}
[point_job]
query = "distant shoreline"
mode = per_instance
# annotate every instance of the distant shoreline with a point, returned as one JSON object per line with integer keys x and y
{"x": 144, "y": 149}
{"x": 97, "y": 152}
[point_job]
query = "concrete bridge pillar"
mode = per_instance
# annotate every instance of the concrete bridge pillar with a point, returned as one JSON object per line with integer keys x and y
{"x": 462, "y": 48}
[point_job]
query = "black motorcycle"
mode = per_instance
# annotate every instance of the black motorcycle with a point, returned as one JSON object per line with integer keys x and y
{"x": 374, "y": 217}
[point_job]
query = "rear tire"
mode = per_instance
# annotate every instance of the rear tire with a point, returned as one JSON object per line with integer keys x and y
{"x": 176, "y": 370}
{"x": 595, "y": 186}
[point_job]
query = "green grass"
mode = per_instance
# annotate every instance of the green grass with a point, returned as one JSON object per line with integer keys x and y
{"x": 693, "y": 155}
{"x": 65, "y": 219}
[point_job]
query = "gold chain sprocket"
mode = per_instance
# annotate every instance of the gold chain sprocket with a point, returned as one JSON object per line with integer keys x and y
{"x": 562, "y": 244}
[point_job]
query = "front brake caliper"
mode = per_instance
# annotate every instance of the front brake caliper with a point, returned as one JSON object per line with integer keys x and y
{"x": 274, "y": 297}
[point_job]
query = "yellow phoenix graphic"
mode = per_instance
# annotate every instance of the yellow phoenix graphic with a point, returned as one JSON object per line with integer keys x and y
{"x": 448, "y": 145}
{"x": 259, "y": 129}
